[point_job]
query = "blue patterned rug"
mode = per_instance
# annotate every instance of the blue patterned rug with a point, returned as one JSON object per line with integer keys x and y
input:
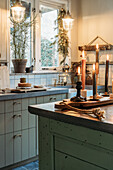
{"x": 30, "y": 166}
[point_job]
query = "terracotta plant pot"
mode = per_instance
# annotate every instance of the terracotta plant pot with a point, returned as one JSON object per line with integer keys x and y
{"x": 19, "y": 65}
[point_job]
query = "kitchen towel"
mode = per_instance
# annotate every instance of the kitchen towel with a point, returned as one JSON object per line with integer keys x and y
{"x": 4, "y": 77}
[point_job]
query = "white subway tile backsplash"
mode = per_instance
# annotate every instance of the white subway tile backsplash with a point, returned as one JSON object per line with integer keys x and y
{"x": 43, "y": 81}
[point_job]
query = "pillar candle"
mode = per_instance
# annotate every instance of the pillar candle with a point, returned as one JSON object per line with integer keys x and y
{"x": 112, "y": 86}
{"x": 94, "y": 82}
{"x": 97, "y": 59}
{"x": 79, "y": 75}
{"x": 106, "y": 75}
{"x": 83, "y": 70}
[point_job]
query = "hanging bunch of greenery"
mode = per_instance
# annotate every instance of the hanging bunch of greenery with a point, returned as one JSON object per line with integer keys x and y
{"x": 61, "y": 38}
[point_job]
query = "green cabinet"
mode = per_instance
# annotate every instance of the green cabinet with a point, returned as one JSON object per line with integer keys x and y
{"x": 66, "y": 146}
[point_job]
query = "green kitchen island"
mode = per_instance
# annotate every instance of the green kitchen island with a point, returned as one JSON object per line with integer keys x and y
{"x": 69, "y": 141}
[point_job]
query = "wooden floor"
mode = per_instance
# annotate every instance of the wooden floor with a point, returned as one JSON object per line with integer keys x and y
{"x": 30, "y": 166}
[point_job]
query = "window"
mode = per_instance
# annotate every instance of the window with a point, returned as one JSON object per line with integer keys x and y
{"x": 49, "y": 55}
{"x": 28, "y": 4}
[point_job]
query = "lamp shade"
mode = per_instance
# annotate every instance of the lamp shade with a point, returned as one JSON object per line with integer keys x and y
{"x": 18, "y": 11}
{"x": 67, "y": 21}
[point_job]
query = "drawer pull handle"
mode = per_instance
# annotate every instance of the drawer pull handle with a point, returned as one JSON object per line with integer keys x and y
{"x": 15, "y": 103}
{"x": 55, "y": 98}
{"x": 16, "y": 116}
{"x": 18, "y": 135}
{"x": 50, "y": 98}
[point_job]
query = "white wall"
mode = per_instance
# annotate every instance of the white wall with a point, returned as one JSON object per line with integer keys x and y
{"x": 75, "y": 8}
{"x": 96, "y": 18}
{"x": 92, "y": 18}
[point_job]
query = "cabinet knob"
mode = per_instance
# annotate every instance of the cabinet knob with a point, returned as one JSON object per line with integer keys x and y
{"x": 50, "y": 98}
{"x": 18, "y": 135}
{"x": 16, "y": 116}
{"x": 15, "y": 103}
{"x": 54, "y": 98}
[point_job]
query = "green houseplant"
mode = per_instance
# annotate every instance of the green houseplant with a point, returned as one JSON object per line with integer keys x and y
{"x": 62, "y": 38}
{"x": 19, "y": 42}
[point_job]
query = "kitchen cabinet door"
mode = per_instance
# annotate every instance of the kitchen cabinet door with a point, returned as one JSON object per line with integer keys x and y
{"x": 32, "y": 142}
{"x": 2, "y": 130}
{"x": 17, "y": 146}
{"x": 2, "y": 106}
{"x": 64, "y": 161}
{"x": 4, "y": 30}
{"x": 24, "y": 144}
{"x": 9, "y": 148}
{"x": 2, "y": 151}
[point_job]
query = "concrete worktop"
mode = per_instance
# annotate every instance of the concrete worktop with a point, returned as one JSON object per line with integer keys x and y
{"x": 49, "y": 111}
{"x": 51, "y": 91}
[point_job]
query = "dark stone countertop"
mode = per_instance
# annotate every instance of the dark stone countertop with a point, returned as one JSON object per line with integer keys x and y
{"x": 48, "y": 110}
{"x": 13, "y": 96}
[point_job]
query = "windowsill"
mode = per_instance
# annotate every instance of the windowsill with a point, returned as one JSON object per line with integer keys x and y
{"x": 40, "y": 72}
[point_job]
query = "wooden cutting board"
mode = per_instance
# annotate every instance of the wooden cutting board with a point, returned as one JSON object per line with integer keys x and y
{"x": 87, "y": 104}
{"x": 28, "y": 90}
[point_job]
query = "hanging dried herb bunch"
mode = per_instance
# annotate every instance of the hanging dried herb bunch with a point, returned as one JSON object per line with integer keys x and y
{"x": 62, "y": 38}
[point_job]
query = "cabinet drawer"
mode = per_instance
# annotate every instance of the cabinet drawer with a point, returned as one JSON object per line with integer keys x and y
{"x": 9, "y": 122}
{"x": 63, "y": 96}
{"x": 66, "y": 162}
{"x": 12, "y": 105}
{"x": 32, "y": 101}
{"x": 40, "y": 100}
{"x": 85, "y": 152}
{"x": 25, "y": 119}
{"x": 47, "y": 99}
{"x": 17, "y": 120}
{"x": 8, "y": 106}
{"x": 2, "y": 124}
{"x": 2, "y": 106}
{"x": 17, "y": 105}
{"x": 32, "y": 120}
{"x": 25, "y": 104}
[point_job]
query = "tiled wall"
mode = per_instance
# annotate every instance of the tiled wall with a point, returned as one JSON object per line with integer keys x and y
{"x": 44, "y": 79}
{"x": 101, "y": 76}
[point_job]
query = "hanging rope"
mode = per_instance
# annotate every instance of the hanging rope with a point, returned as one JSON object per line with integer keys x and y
{"x": 96, "y": 111}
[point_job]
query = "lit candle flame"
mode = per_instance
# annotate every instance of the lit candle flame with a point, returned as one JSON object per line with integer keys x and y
{"x": 83, "y": 54}
{"x": 107, "y": 57}
{"x": 97, "y": 46}
{"x": 78, "y": 70}
{"x": 93, "y": 66}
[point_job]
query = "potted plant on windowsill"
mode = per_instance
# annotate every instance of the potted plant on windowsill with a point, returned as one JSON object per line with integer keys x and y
{"x": 19, "y": 42}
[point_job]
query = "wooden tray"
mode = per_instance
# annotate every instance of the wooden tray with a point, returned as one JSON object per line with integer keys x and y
{"x": 88, "y": 104}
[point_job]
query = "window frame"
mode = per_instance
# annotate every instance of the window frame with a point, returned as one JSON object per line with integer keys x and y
{"x": 51, "y": 4}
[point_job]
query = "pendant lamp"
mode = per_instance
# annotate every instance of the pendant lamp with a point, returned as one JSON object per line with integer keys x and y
{"x": 18, "y": 11}
{"x": 68, "y": 20}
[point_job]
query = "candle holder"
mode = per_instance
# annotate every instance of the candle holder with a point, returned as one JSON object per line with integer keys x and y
{"x": 78, "y": 97}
